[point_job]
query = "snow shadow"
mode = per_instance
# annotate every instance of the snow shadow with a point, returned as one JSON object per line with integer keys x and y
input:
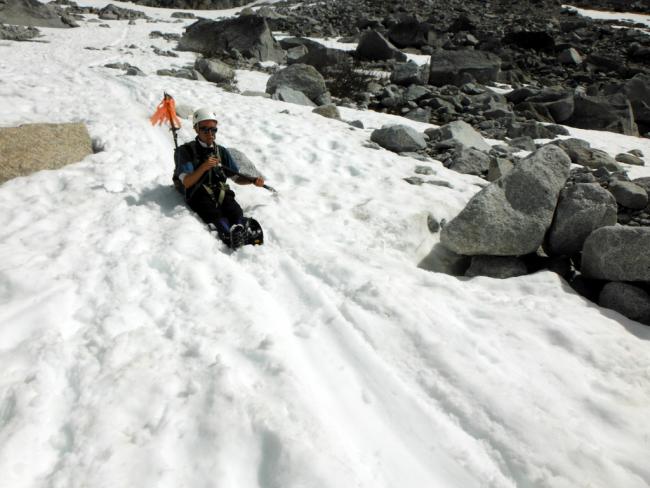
{"x": 164, "y": 196}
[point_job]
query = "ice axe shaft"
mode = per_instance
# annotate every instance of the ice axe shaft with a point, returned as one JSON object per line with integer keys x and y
{"x": 252, "y": 179}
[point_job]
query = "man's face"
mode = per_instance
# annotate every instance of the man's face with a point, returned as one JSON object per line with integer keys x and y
{"x": 207, "y": 131}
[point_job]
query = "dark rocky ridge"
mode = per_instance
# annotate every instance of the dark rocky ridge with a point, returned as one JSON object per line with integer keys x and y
{"x": 639, "y": 6}
{"x": 193, "y": 4}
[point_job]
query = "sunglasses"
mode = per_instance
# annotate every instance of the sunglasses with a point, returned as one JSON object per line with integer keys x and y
{"x": 209, "y": 130}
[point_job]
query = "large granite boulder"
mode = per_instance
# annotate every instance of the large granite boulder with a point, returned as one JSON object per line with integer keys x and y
{"x": 558, "y": 105}
{"x": 398, "y": 138}
{"x": 34, "y": 147}
{"x": 629, "y": 194}
{"x": 459, "y": 67}
{"x": 31, "y": 13}
{"x": 469, "y": 161}
{"x": 637, "y": 90}
{"x": 409, "y": 74}
{"x": 617, "y": 253}
{"x": 581, "y": 209}
{"x": 113, "y": 12}
{"x": 412, "y": 33}
{"x": 500, "y": 267}
{"x": 582, "y": 154}
{"x": 511, "y": 216}
{"x": 628, "y": 300}
{"x": 250, "y": 35}
{"x": 375, "y": 47}
{"x": 458, "y": 132}
{"x": 322, "y": 58}
{"x": 289, "y": 95}
{"x": 302, "y": 78}
{"x": 214, "y": 70}
{"x": 245, "y": 165}
{"x": 613, "y": 113}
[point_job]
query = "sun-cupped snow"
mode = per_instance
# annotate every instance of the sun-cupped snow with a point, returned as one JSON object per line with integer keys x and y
{"x": 137, "y": 350}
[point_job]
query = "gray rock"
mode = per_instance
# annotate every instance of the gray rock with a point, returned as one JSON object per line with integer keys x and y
{"x": 161, "y": 52}
{"x": 58, "y": 145}
{"x": 295, "y": 53}
{"x": 415, "y": 92}
{"x": 289, "y": 95}
{"x": 442, "y": 260}
{"x": 531, "y": 129}
{"x": 628, "y": 300}
{"x": 291, "y": 42}
{"x": 559, "y": 105}
{"x": 414, "y": 180}
{"x": 375, "y": 47}
{"x": 617, "y": 253}
{"x": 581, "y": 209}
{"x": 470, "y": 161}
{"x": 496, "y": 267}
{"x": 18, "y": 33}
{"x": 245, "y": 165}
{"x": 406, "y": 74}
{"x": 398, "y": 138}
{"x": 183, "y": 15}
{"x": 627, "y": 158}
{"x": 583, "y": 155}
{"x": 613, "y": 113}
{"x": 214, "y": 70}
{"x": 510, "y": 216}
{"x": 410, "y": 32}
{"x": 458, "y": 132}
{"x": 330, "y": 111}
{"x": 570, "y": 56}
{"x": 188, "y": 74}
{"x": 299, "y": 77}
{"x": 636, "y": 152}
{"x": 637, "y": 90}
{"x": 250, "y": 35}
{"x": 30, "y": 13}
{"x": 524, "y": 143}
{"x": 113, "y": 12}
{"x": 321, "y": 58}
{"x": 433, "y": 224}
{"x": 323, "y": 99}
{"x": 499, "y": 167}
{"x": 134, "y": 71}
{"x": 643, "y": 183}
{"x": 419, "y": 114}
{"x": 424, "y": 170}
{"x": 454, "y": 67}
{"x": 629, "y": 194}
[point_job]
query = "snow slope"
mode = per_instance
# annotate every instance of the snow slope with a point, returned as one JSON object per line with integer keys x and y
{"x": 136, "y": 350}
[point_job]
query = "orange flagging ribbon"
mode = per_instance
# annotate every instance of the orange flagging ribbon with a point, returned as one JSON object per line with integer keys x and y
{"x": 166, "y": 112}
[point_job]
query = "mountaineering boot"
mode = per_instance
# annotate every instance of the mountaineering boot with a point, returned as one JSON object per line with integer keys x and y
{"x": 237, "y": 236}
{"x": 254, "y": 233}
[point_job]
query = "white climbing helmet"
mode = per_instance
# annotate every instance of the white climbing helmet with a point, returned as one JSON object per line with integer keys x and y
{"x": 202, "y": 114}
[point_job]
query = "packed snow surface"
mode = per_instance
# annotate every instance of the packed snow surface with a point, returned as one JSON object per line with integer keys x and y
{"x": 136, "y": 350}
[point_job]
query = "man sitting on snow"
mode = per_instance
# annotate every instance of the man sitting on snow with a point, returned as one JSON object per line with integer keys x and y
{"x": 202, "y": 167}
